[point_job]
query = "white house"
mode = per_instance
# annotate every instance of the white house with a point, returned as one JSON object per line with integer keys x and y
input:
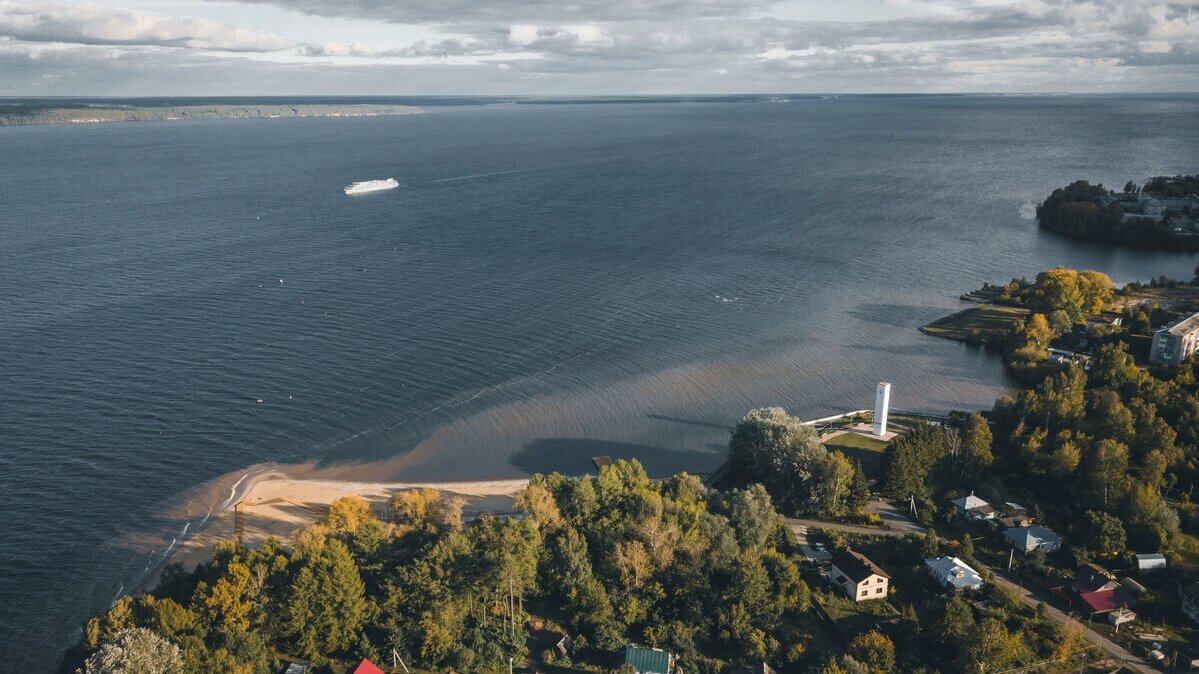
{"x": 953, "y": 573}
{"x": 1154, "y": 562}
{"x": 974, "y": 508}
{"x": 857, "y": 577}
{"x": 1032, "y": 537}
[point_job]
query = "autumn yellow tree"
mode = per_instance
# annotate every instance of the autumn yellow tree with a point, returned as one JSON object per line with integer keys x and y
{"x": 348, "y": 513}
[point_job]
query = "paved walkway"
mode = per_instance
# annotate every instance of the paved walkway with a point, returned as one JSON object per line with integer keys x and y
{"x": 899, "y": 525}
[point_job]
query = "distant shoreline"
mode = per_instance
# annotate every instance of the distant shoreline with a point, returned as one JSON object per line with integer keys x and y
{"x": 118, "y": 113}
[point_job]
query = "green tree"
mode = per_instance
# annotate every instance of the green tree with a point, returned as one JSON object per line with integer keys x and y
{"x": 230, "y": 601}
{"x": 1062, "y": 399}
{"x": 540, "y": 504}
{"x": 1108, "y": 417}
{"x": 1078, "y": 295}
{"x": 781, "y": 452}
{"x": 967, "y": 549}
{"x": 930, "y": 547}
{"x": 976, "y": 446}
{"x": 957, "y": 620}
{"x": 1107, "y": 473}
{"x": 991, "y": 648}
{"x": 116, "y": 620}
{"x": 1103, "y": 532}
{"x": 831, "y": 485}
{"x": 910, "y": 459}
{"x": 875, "y": 650}
{"x": 165, "y": 616}
{"x": 328, "y": 605}
{"x": 859, "y": 490}
{"x": 1150, "y": 519}
{"x": 752, "y": 515}
{"x": 302, "y": 607}
{"x": 1064, "y": 459}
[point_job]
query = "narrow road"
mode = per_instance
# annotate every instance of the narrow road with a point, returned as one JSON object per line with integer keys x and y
{"x": 1116, "y": 651}
{"x": 899, "y": 525}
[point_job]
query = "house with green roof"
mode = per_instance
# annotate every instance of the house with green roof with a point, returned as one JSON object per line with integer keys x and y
{"x": 648, "y": 660}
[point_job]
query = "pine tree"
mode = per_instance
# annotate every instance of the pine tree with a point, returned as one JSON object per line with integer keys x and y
{"x": 859, "y": 489}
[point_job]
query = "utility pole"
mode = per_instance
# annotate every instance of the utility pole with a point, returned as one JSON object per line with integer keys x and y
{"x": 396, "y": 660}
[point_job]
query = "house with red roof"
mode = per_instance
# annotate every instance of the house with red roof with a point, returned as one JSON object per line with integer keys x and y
{"x": 1099, "y": 591}
{"x": 367, "y": 667}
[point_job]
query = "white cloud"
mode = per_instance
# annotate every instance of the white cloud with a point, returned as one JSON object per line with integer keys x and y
{"x": 522, "y": 35}
{"x": 616, "y": 46}
{"x": 96, "y": 25}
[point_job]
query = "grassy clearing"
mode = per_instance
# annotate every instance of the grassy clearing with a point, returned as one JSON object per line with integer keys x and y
{"x": 1186, "y": 547}
{"x": 975, "y": 323}
{"x": 866, "y": 450}
{"x": 1163, "y": 296}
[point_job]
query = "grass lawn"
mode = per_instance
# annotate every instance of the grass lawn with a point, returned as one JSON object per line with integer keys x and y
{"x": 976, "y": 322}
{"x": 863, "y": 449}
{"x": 866, "y": 450}
{"x": 1186, "y": 547}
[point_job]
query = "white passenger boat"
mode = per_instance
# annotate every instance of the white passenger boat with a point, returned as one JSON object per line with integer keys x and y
{"x": 368, "y": 186}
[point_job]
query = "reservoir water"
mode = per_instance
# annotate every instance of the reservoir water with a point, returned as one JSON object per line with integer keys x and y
{"x": 182, "y": 300}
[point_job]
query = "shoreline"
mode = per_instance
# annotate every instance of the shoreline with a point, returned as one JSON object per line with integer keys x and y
{"x": 116, "y": 114}
{"x": 273, "y": 503}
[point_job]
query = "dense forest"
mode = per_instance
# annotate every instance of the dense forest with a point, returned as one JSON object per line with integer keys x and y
{"x": 610, "y": 560}
{"x": 1091, "y": 212}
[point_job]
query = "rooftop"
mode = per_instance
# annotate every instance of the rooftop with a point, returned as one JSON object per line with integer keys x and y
{"x": 1106, "y": 600}
{"x": 1183, "y": 326}
{"x": 1092, "y": 578}
{"x": 953, "y": 570}
{"x": 970, "y": 502}
{"x": 647, "y": 660}
{"x": 1031, "y": 534}
{"x": 1152, "y": 559}
{"x": 367, "y": 667}
{"x": 856, "y": 565}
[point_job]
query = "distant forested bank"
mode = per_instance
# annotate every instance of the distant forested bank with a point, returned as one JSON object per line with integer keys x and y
{"x": 1163, "y": 213}
{"x": 11, "y": 114}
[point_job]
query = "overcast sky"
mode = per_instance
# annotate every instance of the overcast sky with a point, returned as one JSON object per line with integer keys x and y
{"x": 554, "y": 47}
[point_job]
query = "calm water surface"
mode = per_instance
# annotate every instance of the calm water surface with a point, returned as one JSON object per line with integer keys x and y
{"x": 550, "y": 283}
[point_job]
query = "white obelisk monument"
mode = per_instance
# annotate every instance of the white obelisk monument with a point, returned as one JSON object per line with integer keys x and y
{"x": 882, "y": 403}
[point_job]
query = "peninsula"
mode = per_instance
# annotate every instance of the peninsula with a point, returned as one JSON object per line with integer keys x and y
{"x": 85, "y": 113}
{"x": 1162, "y": 213}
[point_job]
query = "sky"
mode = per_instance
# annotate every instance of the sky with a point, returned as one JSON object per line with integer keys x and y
{"x": 580, "y": 47}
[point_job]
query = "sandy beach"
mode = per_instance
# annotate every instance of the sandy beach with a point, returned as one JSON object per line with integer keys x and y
{"x": 274, "y": 504}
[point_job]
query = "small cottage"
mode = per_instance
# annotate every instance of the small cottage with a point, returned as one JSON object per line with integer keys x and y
{"x": 1033, "y": 537}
